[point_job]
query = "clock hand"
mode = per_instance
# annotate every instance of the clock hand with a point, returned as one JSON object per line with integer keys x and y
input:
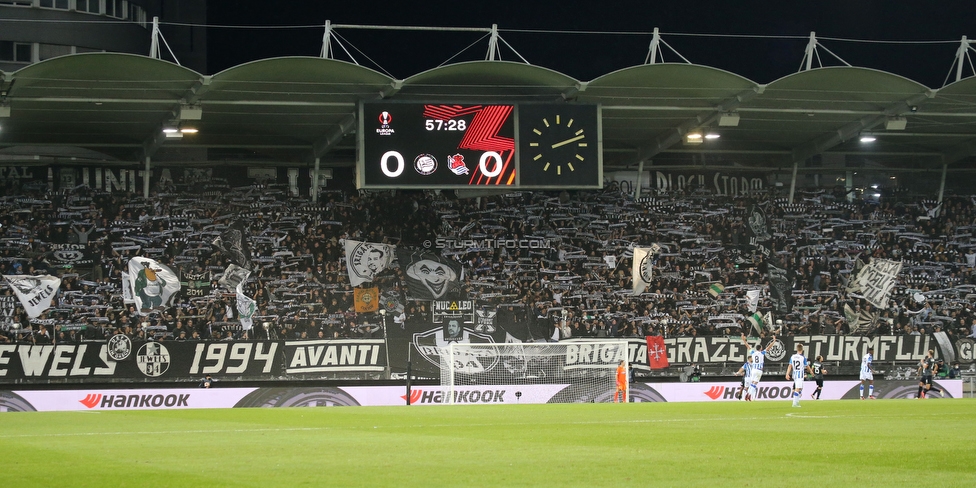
{"x": 567, "y": 141}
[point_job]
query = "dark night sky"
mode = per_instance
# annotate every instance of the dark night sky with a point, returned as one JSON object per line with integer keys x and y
{"x": 587, "y": 56}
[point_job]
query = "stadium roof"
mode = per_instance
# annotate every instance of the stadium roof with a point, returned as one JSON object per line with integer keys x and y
{"x": 112, "y": 108}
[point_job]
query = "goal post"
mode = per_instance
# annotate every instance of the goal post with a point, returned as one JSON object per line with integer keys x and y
{"x": 579, "y": 371}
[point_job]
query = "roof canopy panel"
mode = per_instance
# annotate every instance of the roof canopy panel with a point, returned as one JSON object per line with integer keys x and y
{"x": 487, "y": 80}
{"x": 297, "y": 80}
{"x": 666, "y": 85}
{"x": 840, "y": 88}
{"x": 102, "y": 76}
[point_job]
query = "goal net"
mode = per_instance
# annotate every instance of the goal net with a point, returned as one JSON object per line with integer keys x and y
{"x": 551, "y": 372}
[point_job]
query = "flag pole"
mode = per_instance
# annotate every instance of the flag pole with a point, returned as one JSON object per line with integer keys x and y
{"x": 408, "y": 373}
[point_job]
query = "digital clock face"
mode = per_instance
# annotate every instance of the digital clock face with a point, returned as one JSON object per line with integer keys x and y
{"x": 407, "y": 145}
{"x": 442, "y": 145}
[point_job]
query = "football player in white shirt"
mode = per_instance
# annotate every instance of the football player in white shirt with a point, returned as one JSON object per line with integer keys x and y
{"x": 795, "y": 371}
{"x": 745, "y": 373}
{"x": 867, "y": 373}
{"x": 758, "y": 357}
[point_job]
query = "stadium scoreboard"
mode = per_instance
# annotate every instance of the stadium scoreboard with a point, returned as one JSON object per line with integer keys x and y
{"x": 450, "y": 146}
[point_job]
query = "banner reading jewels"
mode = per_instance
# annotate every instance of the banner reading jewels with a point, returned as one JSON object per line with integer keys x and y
{"x": 183, "y": 361}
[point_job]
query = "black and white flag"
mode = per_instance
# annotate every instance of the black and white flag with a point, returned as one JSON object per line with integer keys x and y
{"x": 780, "y": 288}
{"x": 874, "y": 281}
{"x": 365, "y": 260}
{"x": 7, "y": 306}
{"x": 643, "y": 268}
{"x": 429, "y": 276}
{"x": 233, "y": 276}
{"x": 35, "y": 292}
{"x": 233, "y": 243}
{"x": 756, "y": 224}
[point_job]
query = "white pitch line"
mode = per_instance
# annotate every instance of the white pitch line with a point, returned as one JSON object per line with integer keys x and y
{"x": 161, "y": 432}
{"x": 795, "y": 415}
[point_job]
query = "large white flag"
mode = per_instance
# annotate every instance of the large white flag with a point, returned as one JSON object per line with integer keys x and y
{"x": 35, "y": 292}
{"x": 876, "y": 279}
{"x": 127, "y": 289}
{"x": 365, "y": 260}
{"x": 154, "y": 285}
{"x": 233, "y": 277}
{"x": 753, "y": 299}
{"x": 642, "y": 268}
{"x": 245, "y": 308}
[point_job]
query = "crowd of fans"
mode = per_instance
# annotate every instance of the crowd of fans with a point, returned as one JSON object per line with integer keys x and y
{"x": 558, "y": 264}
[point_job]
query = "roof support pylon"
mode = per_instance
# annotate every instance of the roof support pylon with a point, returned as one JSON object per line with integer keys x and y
{"x": 326, "y": 52}
{"x": 654, "y": 50}
{"x": 493, "y": 44}
{"x": 154, "y": 44}
{"x": 806, "y": 64}
{"x": 962, "y": 55}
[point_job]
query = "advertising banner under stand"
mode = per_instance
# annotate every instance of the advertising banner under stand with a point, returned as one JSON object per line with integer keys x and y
{"x": 219, "y": 396}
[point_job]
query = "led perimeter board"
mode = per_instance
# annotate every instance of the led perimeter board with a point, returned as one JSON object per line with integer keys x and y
{"x": 450, "y": 146}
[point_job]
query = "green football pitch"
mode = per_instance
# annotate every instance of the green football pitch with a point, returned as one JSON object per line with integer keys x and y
{"x": 824, "y": 443}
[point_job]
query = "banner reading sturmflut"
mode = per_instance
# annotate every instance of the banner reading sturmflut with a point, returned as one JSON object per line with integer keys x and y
{"x": 154, "y": 285}
{"x": 35, "y": 292}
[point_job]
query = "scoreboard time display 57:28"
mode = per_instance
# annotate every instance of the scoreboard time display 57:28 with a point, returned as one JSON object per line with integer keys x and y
{"x": 440, "y": 145}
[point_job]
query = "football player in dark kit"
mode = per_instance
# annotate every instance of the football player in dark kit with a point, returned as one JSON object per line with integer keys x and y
{"x": 927, "y": 369}
{"x": 818, "y": 373}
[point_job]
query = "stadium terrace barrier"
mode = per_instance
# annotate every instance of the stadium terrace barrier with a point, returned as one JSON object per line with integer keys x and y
{"x": 374, "y": 359}
{"x": 217, "y": 397}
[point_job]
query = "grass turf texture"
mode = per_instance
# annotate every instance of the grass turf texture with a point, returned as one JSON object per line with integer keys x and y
{"x": 825, "y": 443}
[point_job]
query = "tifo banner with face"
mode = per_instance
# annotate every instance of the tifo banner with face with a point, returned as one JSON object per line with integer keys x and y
{"x": 154, "y": 285}
{"x": 220, "y": 396}
{"x": 429, "y": 276}
{"x": 35, "y": 292}
{"x": 365, "y": 260}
